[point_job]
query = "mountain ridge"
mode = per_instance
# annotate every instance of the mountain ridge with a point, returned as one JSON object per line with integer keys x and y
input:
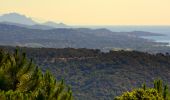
{"x": 17, "y": 18}
{"x": 102, "y": 39}
{"x": 28, "y": 22}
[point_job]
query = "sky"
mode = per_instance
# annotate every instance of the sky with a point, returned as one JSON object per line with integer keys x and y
{"x": 93, "y": 12}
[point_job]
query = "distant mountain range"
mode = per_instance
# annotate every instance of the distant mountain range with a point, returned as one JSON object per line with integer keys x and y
{"x": 103, "y": 39}
{"x": 20, "y": 30}
{"x": 27, "y": 22}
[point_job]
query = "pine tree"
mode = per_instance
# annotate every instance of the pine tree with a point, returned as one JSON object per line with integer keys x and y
{"x": 20, "y": 79}
{"x": 158, "y": 86}
{"x": 144, "y": 86}
{"x": 165, "y": 92}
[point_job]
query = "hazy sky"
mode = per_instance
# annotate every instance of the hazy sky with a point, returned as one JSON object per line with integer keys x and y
{"x": 93, "y": 12}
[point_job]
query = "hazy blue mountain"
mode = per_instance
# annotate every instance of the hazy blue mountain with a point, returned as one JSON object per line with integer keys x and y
{"x": 27, "y": 22}
{"x": 16, "y": 18}
{"x": 40, "y": 26}
{"x": 56, "y": 25}
{"x": 35, "y": 26}
{"x": 16, "y": 24}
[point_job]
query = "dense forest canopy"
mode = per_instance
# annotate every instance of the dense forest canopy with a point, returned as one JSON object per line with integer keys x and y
{"x": 96, "y": 75}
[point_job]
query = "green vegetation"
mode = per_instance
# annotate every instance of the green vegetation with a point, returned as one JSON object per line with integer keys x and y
{"x": 95, "y": 75}
{"x": 144, "y": 93}
{"x": 141, "y": 94}
{"x": 21, "y": 80}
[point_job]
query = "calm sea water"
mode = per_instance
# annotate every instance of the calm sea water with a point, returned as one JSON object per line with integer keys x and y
{"x": 155, "y": 29}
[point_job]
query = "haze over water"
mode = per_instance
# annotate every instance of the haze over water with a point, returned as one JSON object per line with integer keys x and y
{"x": 155, "y": 29}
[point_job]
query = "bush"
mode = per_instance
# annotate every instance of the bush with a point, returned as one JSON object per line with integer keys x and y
{"x": 141, "y": 94}
{"x": 144, "y": 93}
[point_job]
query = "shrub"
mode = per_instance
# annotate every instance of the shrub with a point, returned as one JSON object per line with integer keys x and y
{"x": 141, "y": 94}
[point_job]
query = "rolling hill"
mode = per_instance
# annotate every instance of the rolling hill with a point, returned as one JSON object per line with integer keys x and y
{"x": 102, "y": 39}
{"x": 95, "y": 75}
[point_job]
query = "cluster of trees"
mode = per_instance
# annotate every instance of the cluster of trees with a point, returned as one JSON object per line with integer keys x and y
{"x": 157, "y": 93}
{"x": 100, "y": 75}
{"x": 20, "y": 79}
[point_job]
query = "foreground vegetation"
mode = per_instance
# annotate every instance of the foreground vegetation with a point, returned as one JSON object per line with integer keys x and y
{"x": 157, "y": 93}
{"x": 20, "y": 79}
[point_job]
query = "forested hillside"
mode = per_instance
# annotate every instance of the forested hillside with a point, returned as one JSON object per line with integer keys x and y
{"x": 95, "y": 75}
